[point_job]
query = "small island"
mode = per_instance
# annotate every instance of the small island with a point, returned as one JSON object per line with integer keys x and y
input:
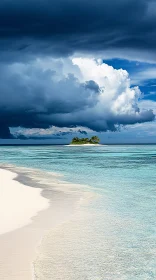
{"x": 94, "y": 140}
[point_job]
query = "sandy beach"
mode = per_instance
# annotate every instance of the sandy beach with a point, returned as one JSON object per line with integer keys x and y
{"x": 18, "y": 203}
{"x": 27, "y": 213}
{"x": 85, "y": 145}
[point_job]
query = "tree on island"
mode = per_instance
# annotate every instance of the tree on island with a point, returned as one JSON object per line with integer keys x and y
{"x": 95, "y": 140}
{"x": 81, "y": 141}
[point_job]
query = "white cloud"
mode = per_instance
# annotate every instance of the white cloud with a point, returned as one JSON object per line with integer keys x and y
{"x": 148, "y": 104}
{"x": 140, "y": 77}
{"x": 71, "y": 92}
{"x": 117, "y": 96}
{"x": 145, "y": 129}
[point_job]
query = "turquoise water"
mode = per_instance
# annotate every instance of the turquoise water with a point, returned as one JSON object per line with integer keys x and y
{"x": 121, "y": 223}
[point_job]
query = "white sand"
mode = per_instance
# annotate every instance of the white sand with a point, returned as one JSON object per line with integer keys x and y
{"x": 23, "y": 224}
{"x": 71, "y": 145}
{"x": 18, "y": 203}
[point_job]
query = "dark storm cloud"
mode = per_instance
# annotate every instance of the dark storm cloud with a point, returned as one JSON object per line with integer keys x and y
{"x": 63, "y": 27}
{"x": 82, "y": 132}
{"x": 31, "y": 97}
{"x": 4, "y": 131}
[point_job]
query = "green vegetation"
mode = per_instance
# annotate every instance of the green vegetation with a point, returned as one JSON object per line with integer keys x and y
{"x": 81, "y": 141}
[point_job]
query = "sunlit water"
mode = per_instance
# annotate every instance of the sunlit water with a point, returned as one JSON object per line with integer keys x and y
{"x": 114, "y": 236}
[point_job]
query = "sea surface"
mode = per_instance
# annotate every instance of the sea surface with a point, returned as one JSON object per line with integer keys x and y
{"x": 113, "y": 237}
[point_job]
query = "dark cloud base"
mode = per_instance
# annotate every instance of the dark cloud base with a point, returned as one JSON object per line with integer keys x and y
{"x": 33, "y": 98}
{"x": 33, "y": 28}
{"x": 64, "y": 27}
{"x": 5, "y": 132}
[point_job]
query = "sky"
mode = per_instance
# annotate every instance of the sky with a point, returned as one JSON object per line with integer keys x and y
{"x": 77, "y": 68}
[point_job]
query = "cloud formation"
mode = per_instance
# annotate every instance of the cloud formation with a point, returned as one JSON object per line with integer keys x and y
{"x": 123, "y": 28}
{"x": 49, "y": 133}
{"x": 81, "y": 92}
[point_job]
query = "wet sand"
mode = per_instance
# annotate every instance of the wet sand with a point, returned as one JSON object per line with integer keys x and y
{"x": 31, "y": 219}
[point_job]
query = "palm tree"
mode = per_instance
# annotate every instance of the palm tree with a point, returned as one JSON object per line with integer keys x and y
{"x": 75, "y": 139}
{"x": 95, "y": 139}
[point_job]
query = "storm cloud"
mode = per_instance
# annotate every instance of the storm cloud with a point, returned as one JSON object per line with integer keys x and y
{"x": 49, "y": 72}
{"x": 87, "y": 93}
{"x": 123, "y": 28}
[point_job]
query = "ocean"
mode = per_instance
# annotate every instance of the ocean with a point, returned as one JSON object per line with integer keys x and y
{"x": 113, "y": 236}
